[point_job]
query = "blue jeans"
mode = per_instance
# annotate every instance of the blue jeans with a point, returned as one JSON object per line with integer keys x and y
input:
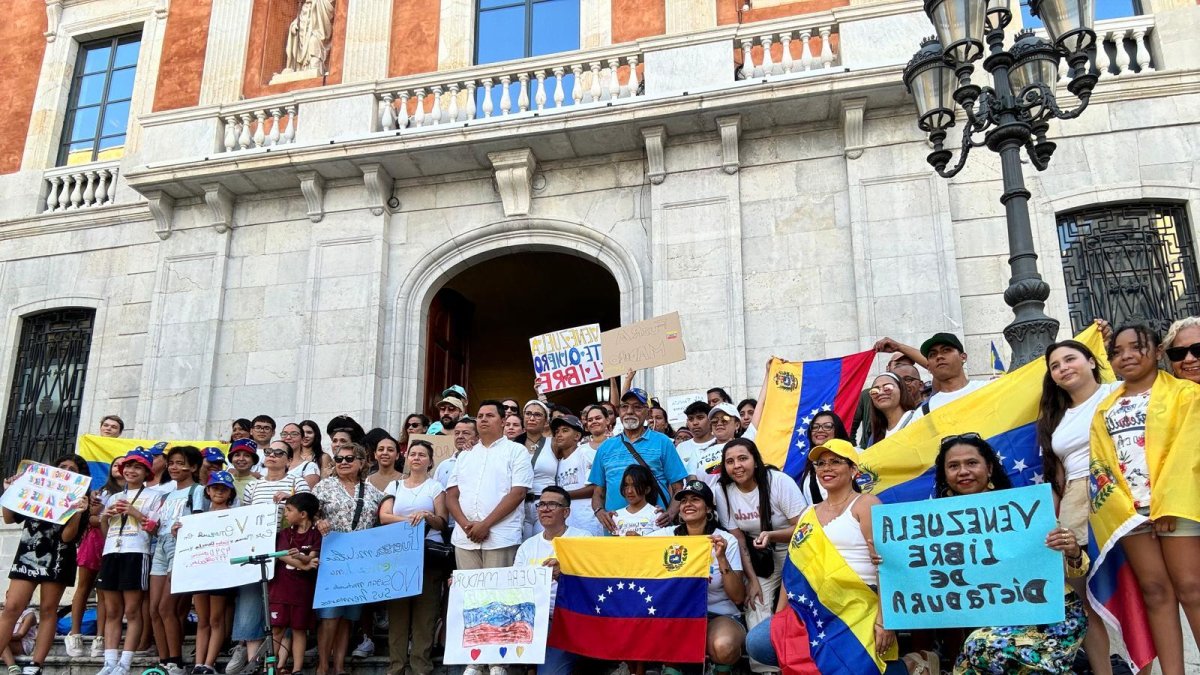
{"x": 557, "y": 662}
{"x": 248, "y": 613}
{"x": 759, "y": 648}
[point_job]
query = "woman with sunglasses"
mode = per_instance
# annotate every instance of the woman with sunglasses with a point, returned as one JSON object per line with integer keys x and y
{"x": 416, "y": 423}
{"x": 348, "y": 504}
{"x": 967, "y": 465}
{"x": 1071, "y": 392}
{"x": 892, "y": 406}
{"x": 1148, "y": 423}
{"x": 1183, "y": 348}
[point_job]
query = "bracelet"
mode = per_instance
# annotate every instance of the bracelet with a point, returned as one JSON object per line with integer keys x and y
{"x": 597, "y": 510}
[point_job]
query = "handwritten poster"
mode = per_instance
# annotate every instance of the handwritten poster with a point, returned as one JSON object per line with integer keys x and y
{"x": 677, "y": 404}
{"x": 978, "y": 560}
{"x": 46, "y": 493}
{"x": 382, "y": 563}
{"x": 645, "y": 344}
{"x": 443, "y": 445}
{"x": 567, "y": 358}
{"x": 206, "y": 542}
{"x": 498, "y": 615}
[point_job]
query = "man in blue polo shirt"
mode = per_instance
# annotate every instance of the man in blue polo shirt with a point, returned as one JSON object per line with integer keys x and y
{"x": 618, "y": 453}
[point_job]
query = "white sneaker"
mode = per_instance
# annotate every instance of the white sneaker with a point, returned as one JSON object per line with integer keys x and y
{"x": 119, "y": 670}
{"x": 107, "y": 669}
{"x": 237, "y": 659}
{"x": 473, "y": 670}
{"x": 31, "y": 670}
{"x": 97, "y": 647}
{"x": 364, "y": 649}
{"x": 173, "y": 669}
{"x": 497, "y": 670}
{"x": 74, "y": 642}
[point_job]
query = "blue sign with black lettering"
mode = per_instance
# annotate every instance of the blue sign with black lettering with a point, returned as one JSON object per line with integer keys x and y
{"x": 977, "y": 560}
{"x": 382, "y": 563}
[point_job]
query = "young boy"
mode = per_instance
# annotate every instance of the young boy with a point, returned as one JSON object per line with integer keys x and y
{"x": 291, "y": 591}
{"x": 127, "y": 521}
{"x": 167, "y": 610}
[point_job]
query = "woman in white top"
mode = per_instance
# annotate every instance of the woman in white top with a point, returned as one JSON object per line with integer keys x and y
{"x": 595, "y": 418}
{"x": 308, "y": 469}
{"x": 383, "y": 452}
{"x": 418, "y": 500}
{"x": 726, "y": 588}
{"x": 892, "y": 406}
{"x": 1071, "y": 392}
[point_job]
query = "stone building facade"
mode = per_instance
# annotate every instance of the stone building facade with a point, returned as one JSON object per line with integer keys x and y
{"x": 256, "y": 247}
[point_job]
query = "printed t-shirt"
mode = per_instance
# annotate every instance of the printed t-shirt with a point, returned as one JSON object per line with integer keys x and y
{"x": 293, "y": 586}
{"x": 125, "y": 534}
{"x": 535, "y": 550}
{"x": 572, "y": 475}
{"x": 640, "y": 523}
{"x": 738, "y": 509}
{"x": 1126, "y": 423}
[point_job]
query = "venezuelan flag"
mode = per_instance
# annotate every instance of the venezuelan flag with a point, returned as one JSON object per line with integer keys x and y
{"x": 837, "y": 607}
{"x": 796, "y": 392}
{"x": 632, "y": 598}
{"x": 100, "y": 452}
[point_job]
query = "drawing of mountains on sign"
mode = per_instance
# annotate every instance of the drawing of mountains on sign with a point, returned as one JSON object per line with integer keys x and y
{"x": 498, "y": 617}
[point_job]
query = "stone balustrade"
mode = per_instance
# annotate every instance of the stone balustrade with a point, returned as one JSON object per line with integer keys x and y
{"x": 500, "y": 90}
{"x": 789, "y": 51}
{"x": 80, "y": 187}
{"x": 259, "y": 127}
{"x": 1123, "y": 46}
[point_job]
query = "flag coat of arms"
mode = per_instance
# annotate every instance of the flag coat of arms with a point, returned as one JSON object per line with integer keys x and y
{"x": 632, "y": 598}
{"x": 100, "y": 452}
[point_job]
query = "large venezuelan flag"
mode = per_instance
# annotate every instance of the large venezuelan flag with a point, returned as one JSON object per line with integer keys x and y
{"x": 796, "y": 392}
{"x": 837, "y": 607}
{"x": 632, "y": 598}
{"x": 100, "y": 451}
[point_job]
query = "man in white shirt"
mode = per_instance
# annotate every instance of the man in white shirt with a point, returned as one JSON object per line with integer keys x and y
{"x": 486, "y": 489}
{"x": 943, "y": 356}
{"x": 702, "y": 438}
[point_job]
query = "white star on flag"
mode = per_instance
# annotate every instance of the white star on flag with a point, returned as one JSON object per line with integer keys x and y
{"x": 601, "y": 598}
{"x": 1038, "y": 479}
{"x": 1019, "y": 465}
{"x": 651, "y": 611}
{"x": 649, "y": 598}
{"x": 610, "y": 590}
{"x": 820, "y": 624}
{"x": 791, "y": 596}
{"x": 816, "y": 642}
{"x": 621, "y": 585}
{"x": 641, "y": 590}
{"x": 807, "y": 420}
{"x": 821, "y": 635}
{"x": 803, "y": 599}
{"x": 597, "y": 610}
{"x": 826, "y": 407}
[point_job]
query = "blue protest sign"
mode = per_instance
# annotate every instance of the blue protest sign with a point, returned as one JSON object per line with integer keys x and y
{"x": 382, "y": 563}
{"x": 978, "y": 560}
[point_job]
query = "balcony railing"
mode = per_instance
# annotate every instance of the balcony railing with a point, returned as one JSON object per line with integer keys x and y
{"x": 789, "y": 51}
{"x": 259, "y": 127}
{"x": 79, "y": 187}
{"x": 1123, "y": 48}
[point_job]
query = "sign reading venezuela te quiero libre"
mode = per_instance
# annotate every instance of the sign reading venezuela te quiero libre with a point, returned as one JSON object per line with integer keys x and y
{"x": 567, "y": 358}
{"x": 978, "y": 560}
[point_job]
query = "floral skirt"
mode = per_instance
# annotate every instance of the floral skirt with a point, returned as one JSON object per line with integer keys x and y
{"x": 1005, "y": 650}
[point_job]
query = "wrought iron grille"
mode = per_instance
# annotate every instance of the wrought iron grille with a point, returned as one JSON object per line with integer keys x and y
{"x": 47, "y": 386}
{"x": 1129, "y": 262}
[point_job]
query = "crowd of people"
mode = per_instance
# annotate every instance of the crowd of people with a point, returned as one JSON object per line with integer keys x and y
{"x": 522, "y": 476}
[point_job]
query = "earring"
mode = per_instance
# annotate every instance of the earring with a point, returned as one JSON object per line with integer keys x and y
{"x": 990, "y": 486}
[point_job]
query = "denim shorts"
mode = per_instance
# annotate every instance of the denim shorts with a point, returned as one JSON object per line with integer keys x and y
{"x": 248, "y": 613}
{"x": 350, "y": 613}
{"x": 164, "y": 556}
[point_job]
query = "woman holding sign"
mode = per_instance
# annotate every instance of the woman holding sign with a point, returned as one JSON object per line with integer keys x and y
{"x": 45, "y": 558}
{"x": 967, "y": 465}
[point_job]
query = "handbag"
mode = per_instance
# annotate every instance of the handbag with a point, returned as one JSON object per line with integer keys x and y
{"x": 439, "y": 555}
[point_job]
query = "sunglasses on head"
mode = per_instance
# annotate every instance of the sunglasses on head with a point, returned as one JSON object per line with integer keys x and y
{"x": 1180, "y": 353}
{"x": 344, "y": 459}
{"x": 970, "y": 436}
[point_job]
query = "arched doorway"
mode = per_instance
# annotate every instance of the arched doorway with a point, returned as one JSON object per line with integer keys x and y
{"x": 481, "y": 319}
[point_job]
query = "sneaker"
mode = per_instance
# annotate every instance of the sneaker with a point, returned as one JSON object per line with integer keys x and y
{"x": 106, "y": 670}
{"x": 473, "y": 670}
{"x": 237, "y": 659}
{"x": 14, "y": 670}
{"x": 366, "y": 648}
{"x": 74, "y": 642}
{"x": 31, "y": 670}
{"x": 97, "y": 647}
{"x": 172, "y": 668}
{"x": 497, "y": 670}
{"x": 202, "y": 669}
{"x": 120, "y": 670}
{"x": 148, "y": 651}
{"x": 311, "y": 653}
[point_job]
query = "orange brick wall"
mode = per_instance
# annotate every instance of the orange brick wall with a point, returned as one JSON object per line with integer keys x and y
{"x": 22, "y": 46}
{"x": 184, "y": 46}
{"x": 727, "y": 10}
{"x": 414, "y": 48}
{"x": 634, "y": 19}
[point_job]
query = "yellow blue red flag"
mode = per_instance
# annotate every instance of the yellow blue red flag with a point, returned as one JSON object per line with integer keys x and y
{"x": 632, "y": 598}
{"x": 100, "y": 451}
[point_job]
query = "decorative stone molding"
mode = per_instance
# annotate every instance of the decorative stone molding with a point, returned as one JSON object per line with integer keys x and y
{"x": 312, "y": 185}
{"x": 54, "y": 10}
{"x": 730, "y": 127}
{"x": 852, "y": 125}
{"x": 161, "y": 9}
{"x": 380, "y": 186}
{"x": 656, "y": 168}
{"x": 220, "y": 206}
{"x": 162, "y": 207}
{"x": 514, "y": 179}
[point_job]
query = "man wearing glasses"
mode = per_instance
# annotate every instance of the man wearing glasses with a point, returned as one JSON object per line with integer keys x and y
{"x": 637, "y": 444}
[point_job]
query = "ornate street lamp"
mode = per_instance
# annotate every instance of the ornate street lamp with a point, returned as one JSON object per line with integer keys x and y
{"x": 1012, "y": 114}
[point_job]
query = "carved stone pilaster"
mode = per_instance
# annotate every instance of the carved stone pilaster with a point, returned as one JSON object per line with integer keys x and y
{"x": 162, "y": 207}
{"x": 514, "y": 179}
{"x": 656, "y": 139}
{"x": 852, "y": 126}
{"x": 380, "y": 186}
{"x": 161, "y": 8}
{"x": 312, "y": 186}
{"x": 54, "y": 10}
{"x": 730, "y": 127}
{"x": 220, "y": 206}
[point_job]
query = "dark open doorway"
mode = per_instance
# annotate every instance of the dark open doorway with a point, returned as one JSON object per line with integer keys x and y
{"x": 481, "y": 320}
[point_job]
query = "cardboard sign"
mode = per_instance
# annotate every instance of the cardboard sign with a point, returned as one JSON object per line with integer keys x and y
{"x": 677, "y": 404}
{"x": 382, "y": 563}
{"x": 978, "y": 560}
{"x": 641, "y": 345}
{"x": 567, "y": 358}
{"x": 46, "y": 493}
{"x": 206, "y": 542}
{"x": 498, "y": 615}
{"x": 443, "y": 445}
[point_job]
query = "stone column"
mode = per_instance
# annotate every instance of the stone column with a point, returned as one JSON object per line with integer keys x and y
{"x": 368, "y": 32}
{"x": 225, "y": 60}
{"x": 686, "y": 16}
{"x": 595, "y": 23}
{"x": 456, "y": 45}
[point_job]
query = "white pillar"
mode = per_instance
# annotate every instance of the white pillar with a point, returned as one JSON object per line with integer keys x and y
{"x": 456, "y": 47}
{"x": 686, "y": 16}
{"x": 225, "y": 60}
{"x": 368, "y": 32}
{"x": 595, "y": 23}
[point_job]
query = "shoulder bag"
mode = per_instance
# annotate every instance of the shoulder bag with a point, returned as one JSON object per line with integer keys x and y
{"x": 657, "y": 494}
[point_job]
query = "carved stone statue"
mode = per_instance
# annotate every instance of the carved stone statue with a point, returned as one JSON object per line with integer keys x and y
{"x": 308, "y": 40}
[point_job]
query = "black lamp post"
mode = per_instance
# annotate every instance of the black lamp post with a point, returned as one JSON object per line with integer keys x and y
{"x": 1012, "y": 114}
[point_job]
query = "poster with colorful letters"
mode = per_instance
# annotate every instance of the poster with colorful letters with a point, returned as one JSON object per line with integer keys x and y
{"x": 46, "y": 493}
{"x": 206, "y": 542}
{"x": 499, "y": 615}
{"x": 567, "y": 358}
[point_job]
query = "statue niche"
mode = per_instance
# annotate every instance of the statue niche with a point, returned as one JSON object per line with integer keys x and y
{"x": 306, "y": 51}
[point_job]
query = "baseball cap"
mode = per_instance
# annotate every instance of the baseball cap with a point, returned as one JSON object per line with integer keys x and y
{"x": 141, "y": 456}
{"x": 726, "y": 408}
{"x": 244, "y": 445}
{"x": 698, "y": 488}
{"x": 455, "y": 390}
{"x": 213, "y": 456}
{"x": 158, "y": 449}
{"x": 454, "y": 401}
{"x": 567, "y": 420}
{"x": 948, "y": 339}
{"x": 221, "y": 478}
{"x": 838, "y": 447}
{"x": 639, "y": 394}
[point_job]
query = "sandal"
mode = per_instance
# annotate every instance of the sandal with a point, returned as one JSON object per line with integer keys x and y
{"x": 923, "y": 663}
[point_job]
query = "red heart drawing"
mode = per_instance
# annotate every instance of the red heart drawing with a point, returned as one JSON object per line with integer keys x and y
{"x": 475, "y": 654}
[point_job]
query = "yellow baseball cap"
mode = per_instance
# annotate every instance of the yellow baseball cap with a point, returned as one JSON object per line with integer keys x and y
{"x": 838, "y": 447}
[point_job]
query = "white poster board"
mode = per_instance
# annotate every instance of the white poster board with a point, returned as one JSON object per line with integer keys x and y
{"x": 206, "y": 542}
{"x": 46, "y": 493}
{"x": 677, "y": 404}
{"x": 498, "y": 615}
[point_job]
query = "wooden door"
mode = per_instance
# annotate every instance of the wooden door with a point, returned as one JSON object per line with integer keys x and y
{"x": 447, "y": 356}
